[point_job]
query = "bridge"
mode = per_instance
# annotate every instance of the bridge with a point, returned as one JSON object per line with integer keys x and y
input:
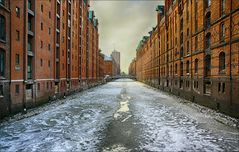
{"x": 110, "y": 78}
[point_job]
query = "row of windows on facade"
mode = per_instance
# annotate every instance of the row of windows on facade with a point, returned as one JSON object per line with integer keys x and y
{"x": 17, "y": 88}
{"x": 207, "y": 5}
{"x": 208, "y": 15}
{"x": 221, "y": 86}
{"x": 222, "y": 64}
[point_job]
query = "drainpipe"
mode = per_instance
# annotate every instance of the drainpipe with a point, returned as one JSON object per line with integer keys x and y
{"x": 230, "y": 53}
{"x": 10, "y": 72}
{"x": 24, "y": 57}
{"x": 192, "y": 80}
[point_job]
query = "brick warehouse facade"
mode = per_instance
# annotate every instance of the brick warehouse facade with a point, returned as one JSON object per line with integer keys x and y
{"x": 132, "y": 68}
{"x": 45, "y": 47}
{"x": 5, "y": 74}
{"x": 193, "y": 52}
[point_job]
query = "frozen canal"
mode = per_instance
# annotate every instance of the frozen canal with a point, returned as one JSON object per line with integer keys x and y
{"x": 120, "y": 116}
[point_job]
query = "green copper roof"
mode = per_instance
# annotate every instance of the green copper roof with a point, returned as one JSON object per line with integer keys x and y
{"x": 95, "y": 22}
{"x": 160, "y": 9}
{"x": 91, "y": 15}
{"x": 141, "y": 43}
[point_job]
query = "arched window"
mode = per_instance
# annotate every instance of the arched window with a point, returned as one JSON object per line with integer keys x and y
{"x": 2, "y": 62}
{"x": 208, "y": 41}
{"x": 171, "y": 70}
{"x": 181, "y": 68}
{"x": 208, "y": 20}
{"x": 2, "y": 28}
{"x": 222, "y": 62}
{"x": 196, "y": 65}
{"x": 207, "y": 65}
{"x": 187, "y": 67}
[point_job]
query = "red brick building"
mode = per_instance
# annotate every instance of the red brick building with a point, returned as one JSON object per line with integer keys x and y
{"x": 101, "y": 66}
{"x": 193, "y": 52}
{"x": 108, "y": 66}
{"x": 44, "y": 51}
{"x": 132, "y": 68}
{"x": 5, "y": 62}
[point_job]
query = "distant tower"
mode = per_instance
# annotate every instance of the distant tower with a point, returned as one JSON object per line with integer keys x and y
{"x": 116, "y": 62}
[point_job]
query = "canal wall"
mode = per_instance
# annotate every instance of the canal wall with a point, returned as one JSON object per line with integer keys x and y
{"x": 222, "y": 106}
{"x": 49, "y": 97}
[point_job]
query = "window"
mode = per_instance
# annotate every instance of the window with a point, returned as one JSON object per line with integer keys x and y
{"x": 196, "y": 15}
{"x": 207, "y": 3}
{"x": 38, "y": 87}
{"x": 208, "y": 41}
{"x": 181, "y": 68}
{"x": 176, "y": 68}
{"x": 195, "y": 84}
{"x": 29, "y": 45}
{"x": 18, "y": 12}
{"x": 222, "y": 7}
{"x": 49, "y": 15}
{"x": 17, "y": 35}
{"x": 49, "y": 63}
{"x": 1, "y": 90}
{"x": 222, "y": 32}
{"x": 2, "y": 63}
{"x": 207, "y": 65}
{"x": 219, "y": 87}
{"x": 222, "y": 62}
{"x": 181, "y": 24}
{"x": 2, "y": 28}
{"x": 47, "y": 85}
{"x": 188, "y": 47}
{"x": 208, "y": 20}
{"x": 29, "y": 4}
{"x": 29, "y": 67}
{"x": 41, "y": 8}
{"x": 49, "y": 47}
{"x": 17, "y": 89}
{"x": 223, "y": 87}
{"x": 196, "y": 43}
{"x": 41, "y": 62}
{"x": 49, "y": 31}
{"x": 41, "y": 44}
{"x": 17, "y": 59}
{"x": 187, "y": 67}
{"x": 42, "y": 26}
{"x": 196, "y": 66}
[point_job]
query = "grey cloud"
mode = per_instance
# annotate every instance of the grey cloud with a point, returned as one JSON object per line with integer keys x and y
{"x": 122, "y": 24}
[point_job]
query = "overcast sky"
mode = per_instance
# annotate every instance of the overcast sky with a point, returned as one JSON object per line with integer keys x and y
{"x": 122, "y": 24}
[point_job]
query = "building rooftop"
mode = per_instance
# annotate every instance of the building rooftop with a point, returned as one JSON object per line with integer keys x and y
{"x": 107, "y": 58}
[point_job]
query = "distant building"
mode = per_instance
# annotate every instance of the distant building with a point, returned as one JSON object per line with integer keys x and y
{"x": 132, "y": 68}
{"x": 101, "y": 65}
{"x": 116, "y": 62}
{"x": 108, "y": 66}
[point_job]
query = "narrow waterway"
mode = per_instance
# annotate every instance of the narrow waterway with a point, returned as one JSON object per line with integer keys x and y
{"x": 124, "y": 115}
